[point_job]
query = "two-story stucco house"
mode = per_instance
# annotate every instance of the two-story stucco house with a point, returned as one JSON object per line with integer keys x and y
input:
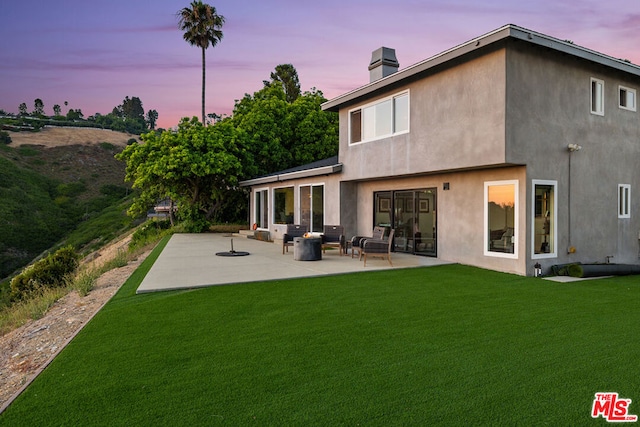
{"x": 512, "y": 149}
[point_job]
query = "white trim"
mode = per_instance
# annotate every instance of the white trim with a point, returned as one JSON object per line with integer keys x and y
{"x": 635, "y": 98}
{"x": 273, "y": 208}
{"x": 374, "y": 103}
{"x": 554, "y": 232}
{"x": 599, "y": 100}
{"x": 306, "y": 173}
{"x": 516, "y": 231}
{"x": 624, "y": 201}
{"x": 324, "y": 201}
{"x": 253, "y": 211}
{"x": 506, "y": 32}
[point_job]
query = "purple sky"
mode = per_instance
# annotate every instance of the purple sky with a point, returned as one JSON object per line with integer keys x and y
{"x": 93, "y": 54}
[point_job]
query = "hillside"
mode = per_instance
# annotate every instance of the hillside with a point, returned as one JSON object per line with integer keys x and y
{"x": 59, "y": 136}
{"x": 53, "y": 181}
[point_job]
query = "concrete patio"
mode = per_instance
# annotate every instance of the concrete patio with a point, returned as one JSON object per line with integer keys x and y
{"x": 190, "y": 261}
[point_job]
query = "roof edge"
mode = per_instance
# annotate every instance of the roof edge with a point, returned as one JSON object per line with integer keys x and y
{"x": 502, "y": 33}
{"x": 306, "y": 173}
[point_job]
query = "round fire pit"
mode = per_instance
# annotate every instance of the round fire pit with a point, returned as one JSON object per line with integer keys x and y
{"x": 232, "y": 252}
{"x": 307, "y": 249}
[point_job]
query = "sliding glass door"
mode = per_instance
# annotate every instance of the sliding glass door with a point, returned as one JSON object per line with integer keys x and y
{"x": 412, "y": 214}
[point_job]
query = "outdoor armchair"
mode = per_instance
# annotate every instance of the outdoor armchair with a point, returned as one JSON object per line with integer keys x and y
{"x": 293, "y": 231}
{"x": 378, "y": 248}
{"x": 333, "y": 236}
{"x": 356, "y": 241}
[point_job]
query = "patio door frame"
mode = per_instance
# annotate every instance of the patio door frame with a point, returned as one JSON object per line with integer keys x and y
{"x": 412, "y": 213}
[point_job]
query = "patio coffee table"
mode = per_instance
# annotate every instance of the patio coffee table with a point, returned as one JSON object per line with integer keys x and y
{"x": 307, "y": 249}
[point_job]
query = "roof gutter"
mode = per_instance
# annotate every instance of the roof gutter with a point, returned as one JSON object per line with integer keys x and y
{"x": 326, "y": 170}
{"x": 508, "y": 31}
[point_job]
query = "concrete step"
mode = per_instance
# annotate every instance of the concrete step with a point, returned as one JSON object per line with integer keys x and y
{"x": 250, "y": 234}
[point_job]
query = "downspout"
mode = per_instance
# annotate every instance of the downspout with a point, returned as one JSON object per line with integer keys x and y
{"x": 571, "y": 147}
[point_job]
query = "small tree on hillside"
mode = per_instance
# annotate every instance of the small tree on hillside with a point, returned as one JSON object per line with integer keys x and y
{"x": 287, "y": 75}
{"x": 38, "y": 107}
{"x": 152, "y": 117}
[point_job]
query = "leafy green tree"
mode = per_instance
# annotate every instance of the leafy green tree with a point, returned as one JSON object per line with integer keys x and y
{"x": 38, "y": 107}
{"x": 202, "y": 27}
{"x": 152, "y": 117}
{"x": 23, "y": 109}
{"x": 75, "y": 114}
{"x": 287, "y": 75}
{"x": 196, "y": 166}
{"x": 315, "y": 132}
{"x": 56, "y": 110}
{"x": 262, "y": 119}
{"x": 279, "y": 135}
{"x": 126, "y": 117}
{"x": 132, "y": 109}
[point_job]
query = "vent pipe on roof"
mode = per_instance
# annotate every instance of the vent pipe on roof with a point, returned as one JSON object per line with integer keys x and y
{"x": 383, "y": 63}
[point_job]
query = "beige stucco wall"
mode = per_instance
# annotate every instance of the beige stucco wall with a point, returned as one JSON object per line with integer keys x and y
{"x": 331, "y": 201}
{"x": 457, "y": 118}
{"x": 505, "y": 114}
{"x": 548, "y": 107}
{"x": 460, "y": 214}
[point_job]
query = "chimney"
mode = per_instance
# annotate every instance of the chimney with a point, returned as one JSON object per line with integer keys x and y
{"x": 383, "y": 63}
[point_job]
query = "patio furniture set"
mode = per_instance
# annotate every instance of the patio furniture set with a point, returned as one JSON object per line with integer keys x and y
{"x": 309, "y": 246}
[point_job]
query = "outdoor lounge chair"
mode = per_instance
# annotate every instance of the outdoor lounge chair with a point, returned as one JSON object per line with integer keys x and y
{"x": 333, "y": 236}
{"x": 378, "y": 248}
{"x": 378, "y": 234}
{"x": 293, "y": 231}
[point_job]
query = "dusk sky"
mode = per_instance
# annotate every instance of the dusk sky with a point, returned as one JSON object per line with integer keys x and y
{"x": 93, "y": 54}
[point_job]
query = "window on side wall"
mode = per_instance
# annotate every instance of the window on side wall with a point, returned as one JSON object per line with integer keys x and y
{"x": 627, "y": 98}
{"x": 501, "y": 219}
{"x": 624, "y": 201}
{"x": 381, "y": 119}
{"x": 283, "y": 205}
{"x": 597, "y": 97}
{"x": 544, "y": 219}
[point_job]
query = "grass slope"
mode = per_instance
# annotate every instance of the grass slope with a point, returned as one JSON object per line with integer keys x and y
{"x": 449, "y": 345}
{"x": 47, "y": 192}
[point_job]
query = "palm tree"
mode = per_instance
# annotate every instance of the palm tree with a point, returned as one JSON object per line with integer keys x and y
{"x": 202, "y": 27}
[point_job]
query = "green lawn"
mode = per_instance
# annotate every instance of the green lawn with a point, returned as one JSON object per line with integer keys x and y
{"x": 449, "y": 345}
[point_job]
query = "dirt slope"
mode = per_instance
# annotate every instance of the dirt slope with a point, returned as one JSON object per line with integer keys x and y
{"x": 62, "y": 136}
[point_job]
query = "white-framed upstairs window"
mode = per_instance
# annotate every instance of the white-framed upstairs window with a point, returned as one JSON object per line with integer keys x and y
{"x": 624, "y": 201}
{"x": 501, "y": 218}
{"x": 597, "y": 96}
{"x": 627, "y": 98}
{"x": 381, "y": 119}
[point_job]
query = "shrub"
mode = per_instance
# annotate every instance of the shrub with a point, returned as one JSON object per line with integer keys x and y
{"x": 149, "y": 232}
{"x": 71, "y": 189}
{"x": 49, "y": 272}
{"x": 108, "y": 146}
{"x": 115, "y": 191}
{"x": 4, "y": 137}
